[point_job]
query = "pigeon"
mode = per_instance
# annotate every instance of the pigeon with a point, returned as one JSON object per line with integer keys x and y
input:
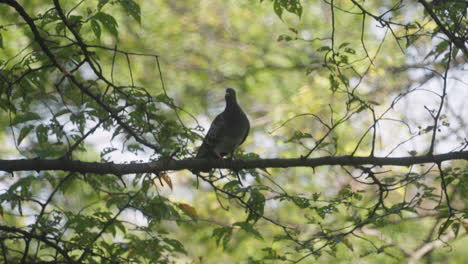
{"x": 227, "y": 132}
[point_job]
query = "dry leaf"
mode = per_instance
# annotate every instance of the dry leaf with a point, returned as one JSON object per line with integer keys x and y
{"x": 165, "y": 177}
{"x": 188, "y": 209}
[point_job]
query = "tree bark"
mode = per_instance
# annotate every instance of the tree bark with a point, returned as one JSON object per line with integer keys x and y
{"x": 200, "y": 164}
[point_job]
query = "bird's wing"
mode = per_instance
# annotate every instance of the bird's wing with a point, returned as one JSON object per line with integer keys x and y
{"x": 212, "y": 138}
{"x": 216, "y": 130}
{"x": 246, "y": 133}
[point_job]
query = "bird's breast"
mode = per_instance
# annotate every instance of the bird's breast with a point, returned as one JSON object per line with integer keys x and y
{"x": 227, "y": 145}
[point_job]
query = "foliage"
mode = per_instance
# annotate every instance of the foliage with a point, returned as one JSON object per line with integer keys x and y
{"x": 122, "y": 80}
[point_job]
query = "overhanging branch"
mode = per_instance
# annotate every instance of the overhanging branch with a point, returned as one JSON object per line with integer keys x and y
{"x": 459, "y": 42}
{"x": 200, "y": 164}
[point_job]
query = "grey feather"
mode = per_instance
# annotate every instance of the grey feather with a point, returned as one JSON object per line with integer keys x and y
{"x": 227, "y": 131}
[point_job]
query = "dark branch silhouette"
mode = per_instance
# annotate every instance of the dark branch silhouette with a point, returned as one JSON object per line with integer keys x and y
{"x": 200, "y": 164}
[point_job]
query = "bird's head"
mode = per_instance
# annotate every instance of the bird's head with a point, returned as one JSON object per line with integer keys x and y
{"x": 230, "y": 94}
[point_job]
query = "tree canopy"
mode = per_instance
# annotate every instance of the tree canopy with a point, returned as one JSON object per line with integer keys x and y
{"x": 357, "y": 151}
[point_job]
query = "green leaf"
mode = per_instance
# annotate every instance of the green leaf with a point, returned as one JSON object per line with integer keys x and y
{"x": 24, "y": 132}
{"x": 120, "y": 226}
{"x": 75, "y": 21}
{"x": 463, "y": 185}
{"x": 176, "y": 245}
{"x": 101, "y": 4}
{"x": 334, "y": 84}
{"x": 25, "y": 117}
{"x": 222, "y": 235}
{"x": 132, "y": 8}
{"x": 428, "y": 129}
{"x": 271, "y": 254}
{"x": 389, "y": 180}
{"x": 42, "y": 134}
{"x": 441, "y": 47}
{"x": 163, "y": 98}
{"x": 292, "y": 6}
{"x": 456, "y": 228}
{"x": 249, "y": 228}
{"x": 96, "y": 28}
{"x": 232, "y": 186}
{"x": 350, "y": 50}
{"x": 134, "y": 148}
{"x": 444, "y": 226}
{"x": 344, "y": 59}
{"x": 325, "y": 210}
{"x": 347, "y": 243}
{"x": 299, "y": 135}
{"x": 62, "y": 112}
{"x": 315, "y": 196}
{"x": 277, "y": 8}
{"x": 108, "y": 22}
{"x": 344, "y": 44}
{"x": 281, "y": 238}
{"x": 300, "y": 202}
{"x": 160, "y": 208}
{"x": 256, "y": 204}
{"x": 455, "y": 51}
{"x": 284, "y": 38}
{"x": 324, "y": 48}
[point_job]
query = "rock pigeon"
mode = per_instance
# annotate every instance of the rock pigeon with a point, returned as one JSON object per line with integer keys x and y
{"x": 227, "y": 132}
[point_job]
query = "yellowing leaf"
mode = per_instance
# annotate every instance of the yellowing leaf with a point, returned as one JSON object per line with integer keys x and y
{"x": 188, "y": 209}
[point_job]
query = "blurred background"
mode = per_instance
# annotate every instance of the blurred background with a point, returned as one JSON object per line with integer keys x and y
{"x": 285, "y": 84}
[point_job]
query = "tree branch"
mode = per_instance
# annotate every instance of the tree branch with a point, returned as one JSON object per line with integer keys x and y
{"x": 460, "y": 43}
{"x": 203, "y": 164}
{"x": 42, "y": 238}
{"x": 37, "y": 36}
{"x": 428, "y": 247}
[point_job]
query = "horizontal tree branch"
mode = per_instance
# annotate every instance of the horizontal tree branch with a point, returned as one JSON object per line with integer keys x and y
{"x": 201, "y": 164}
